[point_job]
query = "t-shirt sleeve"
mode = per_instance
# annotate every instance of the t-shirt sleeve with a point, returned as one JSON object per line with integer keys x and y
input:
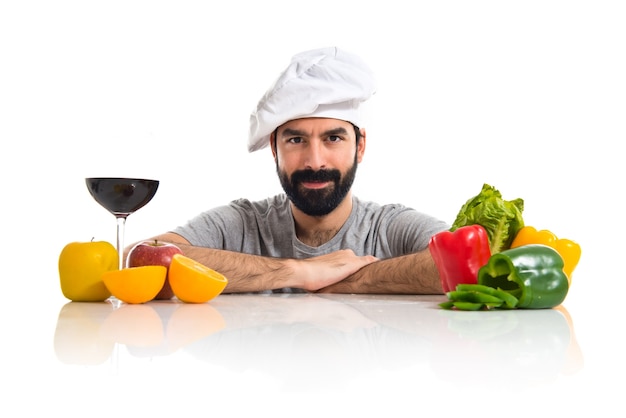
{"x": 212, "y": 227}
{"x": 409, "y": 231}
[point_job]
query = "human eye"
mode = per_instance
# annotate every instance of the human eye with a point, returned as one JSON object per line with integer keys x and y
{"x": 295, "y": 140}
{"x": 335, "y": 136}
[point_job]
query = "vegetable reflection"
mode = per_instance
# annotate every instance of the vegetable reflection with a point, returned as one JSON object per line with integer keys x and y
{"x": 304, "y": 339}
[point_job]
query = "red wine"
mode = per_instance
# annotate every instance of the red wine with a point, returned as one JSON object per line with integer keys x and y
{"x": 122, "y": 196}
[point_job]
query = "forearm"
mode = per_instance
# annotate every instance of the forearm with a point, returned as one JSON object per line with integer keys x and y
{"x": 245, "y": 272}
{"x": 410, "y": 274}
{"x": 253, "y": 273}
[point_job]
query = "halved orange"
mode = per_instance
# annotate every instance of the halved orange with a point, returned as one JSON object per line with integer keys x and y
{"x": 135, "y": 284}
{"x": 193, "y": 282}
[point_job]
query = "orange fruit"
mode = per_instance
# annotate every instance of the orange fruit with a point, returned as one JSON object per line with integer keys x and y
{"x": 135, "y": 284}
{"x": 193, "y": 282}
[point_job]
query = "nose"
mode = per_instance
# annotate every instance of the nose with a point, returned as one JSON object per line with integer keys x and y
{"x": 315, "y": 158}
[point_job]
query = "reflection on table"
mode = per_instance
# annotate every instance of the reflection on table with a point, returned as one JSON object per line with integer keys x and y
{"x": 300, "y": 336}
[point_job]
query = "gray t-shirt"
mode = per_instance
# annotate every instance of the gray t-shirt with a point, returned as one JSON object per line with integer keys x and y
{"x": 267, "y": 228}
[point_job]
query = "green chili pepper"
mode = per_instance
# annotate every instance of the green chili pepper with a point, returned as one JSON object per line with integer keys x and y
{"x": 532, "y": 273}
{"x": 471, "y": 296}
{"x": 468, "y": 306}
{"x": 507, "y": 298}
{"x": 474, "y": 297}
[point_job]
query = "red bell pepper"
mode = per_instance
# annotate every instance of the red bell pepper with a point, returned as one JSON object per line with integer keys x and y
{"x": 460, "y": 254}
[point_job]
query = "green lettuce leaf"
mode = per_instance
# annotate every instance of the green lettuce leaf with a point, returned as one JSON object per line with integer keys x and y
{"x": 501, "y": 218}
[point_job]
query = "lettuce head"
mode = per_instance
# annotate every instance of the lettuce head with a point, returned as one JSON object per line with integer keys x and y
{"x": 501, "y": 219}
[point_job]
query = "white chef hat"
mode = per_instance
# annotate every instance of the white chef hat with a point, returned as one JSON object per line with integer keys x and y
{"x": 326, "y": 82}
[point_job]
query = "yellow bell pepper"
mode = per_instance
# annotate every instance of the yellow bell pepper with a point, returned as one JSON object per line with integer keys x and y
{"x": 569, "y": 250}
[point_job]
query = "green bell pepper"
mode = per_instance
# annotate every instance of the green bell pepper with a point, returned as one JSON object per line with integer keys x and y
{"x": 532, "y": 273}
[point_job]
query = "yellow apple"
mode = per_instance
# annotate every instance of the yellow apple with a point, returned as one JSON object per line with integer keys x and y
{"x": 81, "y": 265}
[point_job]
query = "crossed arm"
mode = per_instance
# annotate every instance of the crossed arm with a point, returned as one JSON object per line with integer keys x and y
{"x": 408, "y": 274}
{"x": 338, "y": 272}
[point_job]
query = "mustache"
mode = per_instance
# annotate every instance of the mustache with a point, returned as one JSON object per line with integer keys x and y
{"x": 313, "y": 175}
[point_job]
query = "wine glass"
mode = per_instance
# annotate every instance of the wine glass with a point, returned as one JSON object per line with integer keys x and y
{"x": 121, "y": 196}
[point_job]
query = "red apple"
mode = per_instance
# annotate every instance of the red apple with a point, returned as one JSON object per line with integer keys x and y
{"x": 154, "y": 253}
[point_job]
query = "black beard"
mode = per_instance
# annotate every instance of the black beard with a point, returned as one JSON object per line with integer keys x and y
{"x": 318, "y": 202}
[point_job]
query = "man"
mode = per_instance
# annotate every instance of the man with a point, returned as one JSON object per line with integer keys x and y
{"x": 316, "y": 236}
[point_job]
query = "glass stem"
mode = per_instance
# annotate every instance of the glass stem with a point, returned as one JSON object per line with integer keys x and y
{"x": 121, "y": 223}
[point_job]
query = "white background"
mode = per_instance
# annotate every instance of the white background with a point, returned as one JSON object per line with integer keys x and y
{"x": 526, "y": 96}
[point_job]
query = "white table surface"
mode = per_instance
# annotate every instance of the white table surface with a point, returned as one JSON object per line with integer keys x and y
{"x": 320, "y": 354}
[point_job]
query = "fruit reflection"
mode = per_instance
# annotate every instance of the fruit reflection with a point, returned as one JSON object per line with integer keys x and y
{"x": 192, "y": 322}
{"x": 528, "y": 347}
{"x": 78, "y": 337}
{"x": 86, "y": 333}
{"x": 134, "y": 325}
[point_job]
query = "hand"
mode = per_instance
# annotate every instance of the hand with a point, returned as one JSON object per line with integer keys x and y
{"x": 325, "y": 270}
{"x": 253, "y": 273}
{"x": 414, "y": 274}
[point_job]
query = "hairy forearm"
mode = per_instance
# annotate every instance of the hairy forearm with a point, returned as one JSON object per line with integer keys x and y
{"x": 253, "y": 273}
{"x": 245, "y": 272}
{"x": 410, "y": 274}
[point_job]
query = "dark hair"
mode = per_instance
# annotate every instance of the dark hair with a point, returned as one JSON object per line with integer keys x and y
{"x": 357, "y": 133}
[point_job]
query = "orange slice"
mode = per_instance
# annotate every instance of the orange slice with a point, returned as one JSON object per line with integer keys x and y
{"x": 135, "y": 284}
{"x": 193, "y": 282}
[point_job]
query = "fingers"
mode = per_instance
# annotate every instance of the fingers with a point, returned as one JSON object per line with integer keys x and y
{"x": 328, "y": 269}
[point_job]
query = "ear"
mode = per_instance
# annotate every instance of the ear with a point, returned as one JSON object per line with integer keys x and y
{"x": 361, "y": 147}
{"x": 273, "y": 144}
